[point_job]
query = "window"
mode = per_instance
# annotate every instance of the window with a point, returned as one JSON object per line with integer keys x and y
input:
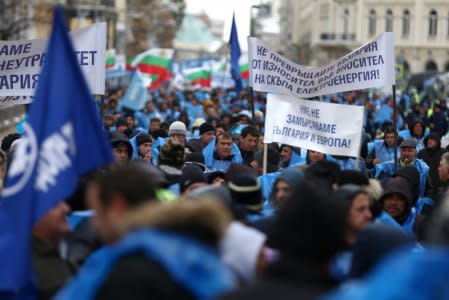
{"x": 389, "y": 21}
{"x": 372, "y": 22}
{"x": 406, "y": 23}
{"x": 433, "y": 23}
{"x": 346, "y": 24}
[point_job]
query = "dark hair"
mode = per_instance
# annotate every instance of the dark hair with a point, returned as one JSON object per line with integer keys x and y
{"x": 223, "y": 135}
{"x": 155, "y": 119}
{"x": 250, "y": 130}
{"x": 132, "y": 181}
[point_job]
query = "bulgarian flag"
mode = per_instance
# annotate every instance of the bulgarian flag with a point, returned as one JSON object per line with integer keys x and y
{"x": 154, "y": 64}
{"x": 111, "y": 58}
{"x": 199, "y": 76}
{"x": 243, "y": 66}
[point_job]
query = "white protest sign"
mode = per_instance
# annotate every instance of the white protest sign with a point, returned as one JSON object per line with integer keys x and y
{"x": 325, "y": 127}
{"x": 371, "y": 65}
{"x": 21, "y": 61}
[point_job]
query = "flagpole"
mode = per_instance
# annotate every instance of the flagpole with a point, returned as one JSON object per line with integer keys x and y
{"x": 357, "y": 161}
{"x": 225, "y": 55}
{"x": 265, "y": 158}
{"x": 251, "y": 99}
{"x": 395, "y": 125}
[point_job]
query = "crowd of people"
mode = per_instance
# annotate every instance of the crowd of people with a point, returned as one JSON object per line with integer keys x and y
{"x": 187, "y": 211}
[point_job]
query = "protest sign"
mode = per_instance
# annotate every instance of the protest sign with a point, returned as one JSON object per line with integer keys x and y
{"x": 21, "y": 61}
{"x": 325, "y": 127}
{"x": 9, "y": 101}
{"x": 371, "y": 65}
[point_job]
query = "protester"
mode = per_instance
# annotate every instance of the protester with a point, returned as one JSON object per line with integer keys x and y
{"x": 383, "y": 150}
{"x": 221, "y": 152}
{"x": 247, "y": 143}
{"x": 171, "y": 160}
{"x": 138, "y": 264}
{"x": 431, "y": 155}
{"x": 144, "y": 143}
{"x": 177, "y": 131}
{"x": 207, "y": 133}
{"x": 289, "y": 157}
{"x": 284, "y": 185}
{"x": 307, "y": 237}
{"x": 122, "y": 148}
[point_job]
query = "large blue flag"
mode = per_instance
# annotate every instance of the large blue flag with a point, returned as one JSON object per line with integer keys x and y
{"x": 62, "y": 140}
{"x": 235, "y": 55}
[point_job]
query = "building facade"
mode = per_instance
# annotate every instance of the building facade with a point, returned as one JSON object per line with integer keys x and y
{"x": 316, "y": 32}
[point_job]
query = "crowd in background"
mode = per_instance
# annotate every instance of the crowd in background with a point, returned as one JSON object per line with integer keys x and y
{"x": 187, "y": 212}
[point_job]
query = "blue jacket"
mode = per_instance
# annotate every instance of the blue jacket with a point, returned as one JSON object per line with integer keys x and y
{"x": 214, "y": 163}
{"x": 382, "y": 152}
{"x": 194, "y": 266}
{"x": 387, "y": 168}
{"x": 385, "y": 218}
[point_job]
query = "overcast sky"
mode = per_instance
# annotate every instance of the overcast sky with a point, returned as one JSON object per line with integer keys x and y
{"x": 222, "y": 10}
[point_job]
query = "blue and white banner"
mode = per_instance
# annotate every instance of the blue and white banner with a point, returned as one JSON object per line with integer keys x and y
{"x": 136, "y": 95}
{"x": 21, "y": 61}
{"x": 325, "y": 127}
{"x": 371, "y": 65}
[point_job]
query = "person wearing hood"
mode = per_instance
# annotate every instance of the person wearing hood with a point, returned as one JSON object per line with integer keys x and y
{"x": 383, "y": 150}
{"x": 373, "y": 243}
{"x": 283, "y": 187}
{"x": 407, "y": 158}
{"x": 417, "y": 132}
{"x": 307, "y": 237}
{"x": 431, "y": 155}
{"x": 397, "y": 206}
{"x": 138, "y": 230}
{"x": 357, "y": 204}
{"x": 289, "y": 157}
{"x": 221, "y": 153}
{"x": 121, "y": 147}
{"x": 143, "y": 117}
{"x": 438, "y": 121}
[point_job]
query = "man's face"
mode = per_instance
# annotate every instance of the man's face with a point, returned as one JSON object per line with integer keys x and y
{"x": 286, "y": 154}
{"x": 53, "y": 226}
{"x": 223, "y": 147}
{"x": 432, "y": 144}
{"x": 206, "y": 137}
{"x": 109, "y": 122}
{"x": 155, "y": 125}
{"x": 120, "y": 153}
{"x": 149, "y": 106}
{"x": 145, "y": 150}
{"x": 248, "y": 143}
{"x": 418, "y": 129}
{"x": 443, "y": 170}
{"x": 121, "y": 128}
{"x": 315, "y": 156}
{"x": 389, "y": 139}
{"x": 394, "y": 205}
{"x": 282, "y": 191}
{"x": 179, "y": 137}
{"x": 408, "y": 153}
{"x": 359, "y": 213}
{"x": 130, "y": 122}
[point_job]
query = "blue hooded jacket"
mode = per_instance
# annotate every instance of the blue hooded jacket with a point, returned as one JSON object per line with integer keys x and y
{"x": 193, "y": 265}
{"x": 213, "y": 163}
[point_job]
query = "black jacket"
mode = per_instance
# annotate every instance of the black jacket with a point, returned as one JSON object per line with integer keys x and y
{"x": 432, "y": 158}
{"x": 289, "y": 279}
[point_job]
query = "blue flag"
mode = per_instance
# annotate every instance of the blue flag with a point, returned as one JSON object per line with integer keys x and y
{"x": 62, "y": 139}
{"x": 235, "y": 55}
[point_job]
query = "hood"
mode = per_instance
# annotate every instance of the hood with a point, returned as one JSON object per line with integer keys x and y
{"x": 416, "y": 121}
{"x": 435, "y": 136}
{"x": 203, "y": 219}
{"x": 412, "y": 176}
{"x": 400, "y": 186}
{"x": 373, "y": 243}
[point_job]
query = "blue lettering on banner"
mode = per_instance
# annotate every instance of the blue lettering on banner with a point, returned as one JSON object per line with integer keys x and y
{"x": 86, "y": 58}
{"x": 259, "y": 78}
{"x": 333, "y": 142}
{"x": 21, "y": 81}
{"x": 15, "y": 49}
{"x": 27, "y": 61}
{"x": 311, "y": 124}
{"x": 255, "y": 64}
{"x": 262, "y": 51}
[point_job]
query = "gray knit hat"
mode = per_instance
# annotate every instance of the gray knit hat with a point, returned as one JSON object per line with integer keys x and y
{"x": 177, "y": 127}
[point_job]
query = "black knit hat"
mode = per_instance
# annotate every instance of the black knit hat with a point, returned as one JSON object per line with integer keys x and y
{"x": 190, "y": 174}
{"x": 143, "y": 138}
{"x": 206, "y": 127}
{"x": 121, "y": 122}
{"x": 352, "y": 177}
